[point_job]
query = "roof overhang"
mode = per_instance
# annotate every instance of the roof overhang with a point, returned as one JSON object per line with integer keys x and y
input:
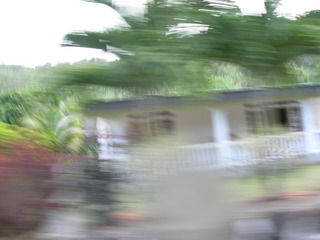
{"x": 300, "y": 91}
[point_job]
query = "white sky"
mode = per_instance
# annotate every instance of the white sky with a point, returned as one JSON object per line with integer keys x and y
{"x": 287, "y": 7}
{"x": 32, "y": 30}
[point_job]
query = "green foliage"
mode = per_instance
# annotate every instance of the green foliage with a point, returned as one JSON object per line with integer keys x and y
{"x": 305, "y": 70}
{"x": 19, "y": 77}
{"x": 7, "y": 134}
{"x": 156, "y": 50}
{"x": 314, "y": 14}
{"x": 59, "y": 124}
{"x": 149, "y": 50}
{"x": 224, "y": 76}
{"x": 10, "y": 134}
{"x": 53, "y": 117}
{"x": 126, "y": 75}
{"x": 14, "y": 105}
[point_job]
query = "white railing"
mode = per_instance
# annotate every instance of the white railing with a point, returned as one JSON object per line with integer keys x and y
{"x": 246, "y": 152}
{"x": 267, "y": 148}
{"x": 208, "y": 156}
{"x": 198, "y": 156}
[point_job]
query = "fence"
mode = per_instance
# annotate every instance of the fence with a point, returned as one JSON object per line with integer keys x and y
{"x": 212, "y": 155}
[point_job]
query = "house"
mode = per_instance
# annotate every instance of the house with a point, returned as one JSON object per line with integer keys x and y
{"x": 218, "y": 129}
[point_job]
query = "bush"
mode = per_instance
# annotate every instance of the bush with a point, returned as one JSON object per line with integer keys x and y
{"x": 25, "y": 176}
{"x": 26, "y": 182}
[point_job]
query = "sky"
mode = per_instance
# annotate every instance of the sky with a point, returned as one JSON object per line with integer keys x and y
{"x": 33, "y": 30}
{"x": 287, "y": 7}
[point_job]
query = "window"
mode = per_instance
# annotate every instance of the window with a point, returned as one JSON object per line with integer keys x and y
{"x": 150, "y": 124}
{"x": 254, "y": 120}
{"x": 138, "y": 126}
{"x": 285, "y": 114}
{"x": 161, "y": 123}
{"x": 277, "y": 117}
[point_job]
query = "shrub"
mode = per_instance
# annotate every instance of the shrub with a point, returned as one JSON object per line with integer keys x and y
{"x": 25, "y": 175}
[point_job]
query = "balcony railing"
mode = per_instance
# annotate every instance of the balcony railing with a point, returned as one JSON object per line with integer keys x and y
{"x": 212, "y": 155}
{"x": 246, "y": 152}
{"x": 198, "y": 156}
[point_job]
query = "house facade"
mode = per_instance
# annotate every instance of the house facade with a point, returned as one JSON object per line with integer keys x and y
{"x": 220, "y": 129}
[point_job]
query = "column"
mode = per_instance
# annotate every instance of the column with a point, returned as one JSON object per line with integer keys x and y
{"x": 221, "y": 134}
{"x": 103, "y": 139}
{"x": 309, "y": 126}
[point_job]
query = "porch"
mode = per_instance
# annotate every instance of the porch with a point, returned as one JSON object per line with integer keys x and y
{"x": 244, "y": 134}
{"x": 250, "y": 151}
{"x": 210, "y": 137}
{"x": 277, "y": 150}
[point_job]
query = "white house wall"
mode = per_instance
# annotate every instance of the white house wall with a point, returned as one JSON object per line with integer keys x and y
{"x": 237, "y": 119}
{"x": 315, "y": 107}
{"x": 194, "y": 125}
{"x": 117, "y": 123}
{"x": 89, "y": 124}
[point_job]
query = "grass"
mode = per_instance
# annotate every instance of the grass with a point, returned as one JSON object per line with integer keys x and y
{"x": 305, "y": 177}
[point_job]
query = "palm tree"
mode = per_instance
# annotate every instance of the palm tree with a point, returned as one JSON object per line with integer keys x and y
{"x": 154, "y": 50}
{"x": 61, "y": 126}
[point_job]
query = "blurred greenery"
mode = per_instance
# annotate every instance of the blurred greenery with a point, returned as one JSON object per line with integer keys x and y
{"x": 20, "y": 77}
{"x": 58, "y": 123}
{"x": 55, "y": 117}
{"x": 157, "y": 49}
{"x": 10, "y": 134}
{"x": 299, "y": 178}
